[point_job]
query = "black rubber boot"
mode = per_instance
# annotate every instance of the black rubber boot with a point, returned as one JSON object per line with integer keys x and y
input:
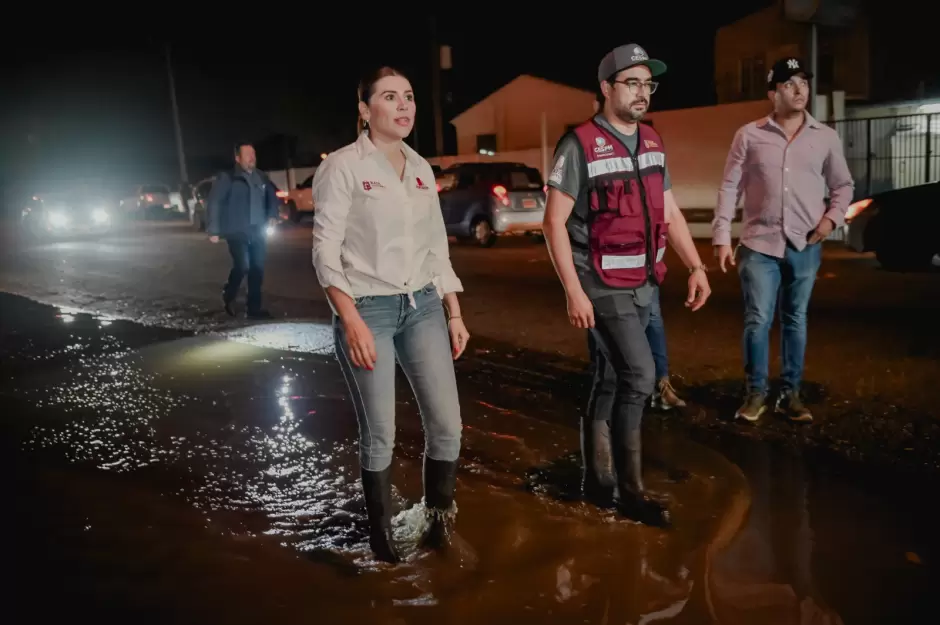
{"x": 440, "y": 478}
{"x": 634, "y": 501}
{"x": 228, "y": 303}
{"x": 597, "y": 475}
{"x": 377, "y": 490}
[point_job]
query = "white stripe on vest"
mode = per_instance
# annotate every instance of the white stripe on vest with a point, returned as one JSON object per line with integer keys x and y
{"x": 629, "y": 262}
{"x": 618, "y": 164}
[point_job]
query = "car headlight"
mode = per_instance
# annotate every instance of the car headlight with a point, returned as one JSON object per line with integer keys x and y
{"x": 269, "y": 231}
{"x": 100, "y": 216}
{"x": 58, "y": 219}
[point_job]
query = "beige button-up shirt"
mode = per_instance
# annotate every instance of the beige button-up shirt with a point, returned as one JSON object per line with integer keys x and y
{"x": 376, "y": 234}
{"x": 784, "y": 182}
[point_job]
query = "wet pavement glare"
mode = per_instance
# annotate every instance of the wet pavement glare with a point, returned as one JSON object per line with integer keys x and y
{"x": 166, "y": 477}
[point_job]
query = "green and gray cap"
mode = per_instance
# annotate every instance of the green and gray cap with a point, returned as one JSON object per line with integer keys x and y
{"x": 625, "y": 57}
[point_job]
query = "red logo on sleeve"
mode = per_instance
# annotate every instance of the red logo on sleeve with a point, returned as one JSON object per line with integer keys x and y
{"x": 421, "y": 185}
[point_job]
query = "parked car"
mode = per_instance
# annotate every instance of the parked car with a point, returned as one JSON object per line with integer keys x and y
{"x": 902, "y": 227}
{"x": 299, "y": 201}
{"x": 483, "y": 201}
{"x": 148, "y": 200}
{"x": 181, "y": 199}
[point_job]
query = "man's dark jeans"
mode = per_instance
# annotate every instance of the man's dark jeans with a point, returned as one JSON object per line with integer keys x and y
{"x": 248, "y": 252}
{"x": 624, "y": 373}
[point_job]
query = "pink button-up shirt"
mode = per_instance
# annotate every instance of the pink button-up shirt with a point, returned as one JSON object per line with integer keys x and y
{"x": 784, "y": 184}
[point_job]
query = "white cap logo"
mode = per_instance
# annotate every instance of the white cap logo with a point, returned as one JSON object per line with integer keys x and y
{"x": 770, "y": 75}
{"x": 793, "y": 64}
{"x": 639, "y": 54}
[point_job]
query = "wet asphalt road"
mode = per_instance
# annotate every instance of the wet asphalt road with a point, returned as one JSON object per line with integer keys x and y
{"x": 872, "y": 361}
{"x": 157, "y": 476}
{"x": 199, "y": 469}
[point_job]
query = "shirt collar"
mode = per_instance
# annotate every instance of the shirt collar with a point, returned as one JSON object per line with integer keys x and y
{"x": 809, "y": 121}
{"x": 366, "y": 148}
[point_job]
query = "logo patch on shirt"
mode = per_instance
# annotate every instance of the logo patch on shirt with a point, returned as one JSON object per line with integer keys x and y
{"x": 421, "y": 185}
{"x": 558, "y": 170}
{"x": 368, "y": 185}
{"x": 650, "y": 144}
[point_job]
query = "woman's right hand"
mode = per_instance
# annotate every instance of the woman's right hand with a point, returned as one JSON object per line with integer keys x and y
{"x": 360, "y": 341}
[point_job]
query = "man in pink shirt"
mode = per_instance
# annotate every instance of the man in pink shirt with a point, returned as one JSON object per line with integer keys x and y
{"x": 783, "y": 165}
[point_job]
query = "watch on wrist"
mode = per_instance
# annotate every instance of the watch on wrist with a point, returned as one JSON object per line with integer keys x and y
{"x": 700, "y": 267}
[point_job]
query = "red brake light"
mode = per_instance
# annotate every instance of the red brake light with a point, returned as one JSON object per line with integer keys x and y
{"x": 438, "y": 187}
{"x": 501, "y": 194}
{"x": 149, "y": 198}
{"x": 856, "y": 208}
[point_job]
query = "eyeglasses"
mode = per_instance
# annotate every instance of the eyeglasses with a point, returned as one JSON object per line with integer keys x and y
{"x": 633, "y": 85}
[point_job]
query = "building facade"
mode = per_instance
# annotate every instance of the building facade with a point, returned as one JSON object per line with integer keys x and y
{"x": 746, "y": 49}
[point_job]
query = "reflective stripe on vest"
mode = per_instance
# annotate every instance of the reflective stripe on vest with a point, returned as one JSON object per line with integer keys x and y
{"x": 619, "y": 164}
{"x": 628, "y": 262}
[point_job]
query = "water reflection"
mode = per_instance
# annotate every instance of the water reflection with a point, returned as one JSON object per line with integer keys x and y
{"x": 766, "y": 574}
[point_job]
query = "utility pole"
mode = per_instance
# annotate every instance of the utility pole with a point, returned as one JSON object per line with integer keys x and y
{"x": 436, "y": 89}
{"x": 181, "y": 155}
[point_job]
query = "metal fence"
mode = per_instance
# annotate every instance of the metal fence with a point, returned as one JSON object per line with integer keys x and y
{"x": 886, "y": 153}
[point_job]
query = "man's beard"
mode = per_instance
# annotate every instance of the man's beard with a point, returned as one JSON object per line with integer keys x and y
{"x": 629, "y": 115}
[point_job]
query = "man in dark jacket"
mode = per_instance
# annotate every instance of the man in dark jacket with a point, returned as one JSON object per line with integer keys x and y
{"x": 241, "y": 204}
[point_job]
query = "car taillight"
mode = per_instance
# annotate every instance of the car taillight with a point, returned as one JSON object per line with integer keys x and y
{"x": 438, "y": 187}
{"x": 149, "y": 198}
{"x": 501, "y": 194}
{"x": 856, "y": 208}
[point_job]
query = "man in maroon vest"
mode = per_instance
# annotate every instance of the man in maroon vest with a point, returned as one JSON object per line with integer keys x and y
{"x": 610, "y": 211}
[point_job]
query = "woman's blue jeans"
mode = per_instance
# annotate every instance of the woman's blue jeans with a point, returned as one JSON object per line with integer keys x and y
{"x": 418, "y": 339}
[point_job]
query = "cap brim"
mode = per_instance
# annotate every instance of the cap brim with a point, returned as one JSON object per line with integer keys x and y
{"x": 656, "y": 67}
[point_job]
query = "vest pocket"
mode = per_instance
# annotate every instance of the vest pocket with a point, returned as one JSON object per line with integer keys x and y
{"x": 655, "y": 195}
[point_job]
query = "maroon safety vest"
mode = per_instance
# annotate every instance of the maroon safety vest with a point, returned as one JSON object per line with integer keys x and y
{"x": 624, "y": 208}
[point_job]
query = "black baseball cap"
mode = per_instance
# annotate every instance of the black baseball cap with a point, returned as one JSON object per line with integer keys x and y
{"x": 785, "y": 69}
{"x": 625, "y": 57}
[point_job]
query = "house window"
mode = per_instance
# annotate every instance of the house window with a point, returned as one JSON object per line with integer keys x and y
{"x": 752, "y": 78}
{"x": 486, "y": 144}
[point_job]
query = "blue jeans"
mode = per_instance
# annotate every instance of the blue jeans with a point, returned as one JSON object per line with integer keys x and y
{"x": 419, "y": 339}
{"x": 764, "y": 280}
{"x": 248, "y": 251}
{"x": 656, "y": 336}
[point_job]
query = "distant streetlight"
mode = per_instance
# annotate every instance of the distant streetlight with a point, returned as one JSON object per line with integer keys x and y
{"x": 323, "y": 156}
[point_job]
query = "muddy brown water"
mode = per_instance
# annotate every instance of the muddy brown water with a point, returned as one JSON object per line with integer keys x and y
{"x": 159, "y": 477}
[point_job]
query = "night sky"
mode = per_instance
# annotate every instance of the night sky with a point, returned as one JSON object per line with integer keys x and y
{"x": 99, "y": 106}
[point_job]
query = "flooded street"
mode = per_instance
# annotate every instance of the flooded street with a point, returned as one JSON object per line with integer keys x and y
{"x": 160, "y": 476}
